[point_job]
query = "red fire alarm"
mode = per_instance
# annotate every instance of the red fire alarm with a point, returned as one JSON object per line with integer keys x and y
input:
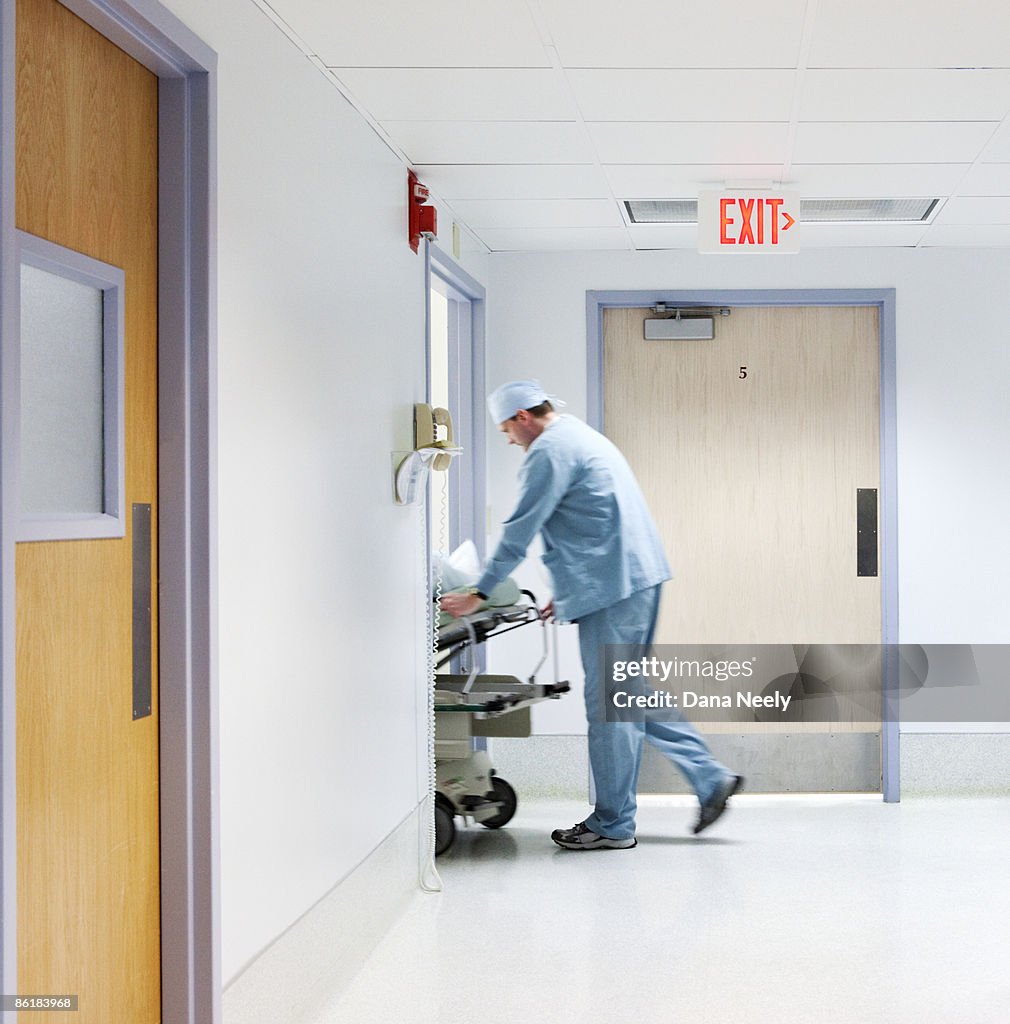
{"x": 421, "y": 219}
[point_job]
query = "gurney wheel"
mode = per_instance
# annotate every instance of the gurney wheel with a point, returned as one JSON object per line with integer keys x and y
{"x": 504, "y": 794}
{"x": 445, "y": 827}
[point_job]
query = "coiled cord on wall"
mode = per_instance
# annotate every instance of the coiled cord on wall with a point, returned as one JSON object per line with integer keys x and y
{"x": 430, "y": 880}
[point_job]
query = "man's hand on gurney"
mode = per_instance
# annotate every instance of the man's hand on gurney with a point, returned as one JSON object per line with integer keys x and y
{"x": 547, "y": 612}
{"x": 459, "y": 605}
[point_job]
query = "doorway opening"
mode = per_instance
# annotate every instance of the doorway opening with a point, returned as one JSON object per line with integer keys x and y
{"x": 455, "y": 365}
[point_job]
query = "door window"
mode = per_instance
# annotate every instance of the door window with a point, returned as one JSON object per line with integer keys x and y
{"x": 71, "y": 472}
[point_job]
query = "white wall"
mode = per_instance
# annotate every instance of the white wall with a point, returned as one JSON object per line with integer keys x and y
{"x": 321, "y": 335}
{"x": 321, "y": 311}
{"x": 953, "y": 364}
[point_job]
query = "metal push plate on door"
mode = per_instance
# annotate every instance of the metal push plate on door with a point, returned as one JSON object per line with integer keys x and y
{"x": 866, "y": 531}
{"x": 141, "y": 611}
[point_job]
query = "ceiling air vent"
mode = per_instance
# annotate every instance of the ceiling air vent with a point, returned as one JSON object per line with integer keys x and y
{"x": 887, "y": 211}
{"x": 812, "y": 211}
{"x": 662, "y": 211}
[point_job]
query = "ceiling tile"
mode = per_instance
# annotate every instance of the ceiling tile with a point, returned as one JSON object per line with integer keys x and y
{"x": 815, "y": 181}
{"x": 998, "y": 150}
{"x": 515, "y": 181}
{"x": 460, "y": 94}
{"x": 677, "y": 181}
{"x": 905, "y": 95}
{"x": 677, "y": 95}
{"x": 975, "y": 210}
{"x": 443, "y": 33}
{"x": 904, "y": 142}
{"x": 490, "y": 142}
{"x": 554, "y": 239}
{"x": 672, "y": 143}
{"x": 875, "y": 181}
{"x": 647, "y": 34}
{"x": 986, "y": 180}
{"x": 538, "y": 213}
{"x": 980, "y": 235}
{"x": 923, "y": 34}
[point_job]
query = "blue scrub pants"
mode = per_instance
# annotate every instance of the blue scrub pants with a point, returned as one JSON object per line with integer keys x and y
{"x": 615, "y": 748}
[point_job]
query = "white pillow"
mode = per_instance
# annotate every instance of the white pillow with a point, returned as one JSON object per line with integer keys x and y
{"x": 458, "y": 570}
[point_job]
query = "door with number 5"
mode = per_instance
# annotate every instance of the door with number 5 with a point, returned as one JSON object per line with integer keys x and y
{"x": 751, "y": 448}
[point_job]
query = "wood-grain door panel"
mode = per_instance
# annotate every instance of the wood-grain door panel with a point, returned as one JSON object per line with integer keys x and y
{"x": 88, "y": 829}
{"x": 750, "y": 448}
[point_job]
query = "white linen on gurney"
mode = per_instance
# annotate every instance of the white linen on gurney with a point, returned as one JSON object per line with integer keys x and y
{"x": 459, "y": 569}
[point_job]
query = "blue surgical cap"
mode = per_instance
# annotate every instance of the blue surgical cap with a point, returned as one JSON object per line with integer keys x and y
{"x": 504, "y": 402}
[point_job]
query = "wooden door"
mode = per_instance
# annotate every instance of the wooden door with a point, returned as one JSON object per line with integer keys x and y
{"x": 750, "y": 449}
{"x": 87, "y": 785}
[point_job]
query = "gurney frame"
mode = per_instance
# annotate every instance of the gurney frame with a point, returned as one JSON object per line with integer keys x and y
{"x": 466, "y": 783}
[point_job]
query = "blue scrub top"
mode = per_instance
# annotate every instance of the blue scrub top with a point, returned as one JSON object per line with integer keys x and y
{"x": 600, "y": 543}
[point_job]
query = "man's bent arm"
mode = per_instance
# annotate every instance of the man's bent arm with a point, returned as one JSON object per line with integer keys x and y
{"x": 543, "y": 485}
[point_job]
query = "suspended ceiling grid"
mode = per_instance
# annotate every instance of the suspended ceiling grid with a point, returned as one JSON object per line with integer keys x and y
{"x": 533, "y": 119}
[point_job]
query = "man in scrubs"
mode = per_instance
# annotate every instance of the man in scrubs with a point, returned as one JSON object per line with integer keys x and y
{"x": 603, "y": 552}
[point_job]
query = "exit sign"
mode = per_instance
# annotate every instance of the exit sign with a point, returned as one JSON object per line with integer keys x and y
{"x": 738, "y": 221}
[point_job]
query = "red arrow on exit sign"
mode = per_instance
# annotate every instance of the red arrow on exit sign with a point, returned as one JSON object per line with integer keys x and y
{"x": 736, "y": 221}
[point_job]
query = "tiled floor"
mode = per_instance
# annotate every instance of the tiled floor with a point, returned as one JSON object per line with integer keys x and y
{"x": 792, "y": 910}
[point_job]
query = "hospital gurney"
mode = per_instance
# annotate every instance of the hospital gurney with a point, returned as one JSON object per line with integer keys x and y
{"x": 469, "y": 704}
